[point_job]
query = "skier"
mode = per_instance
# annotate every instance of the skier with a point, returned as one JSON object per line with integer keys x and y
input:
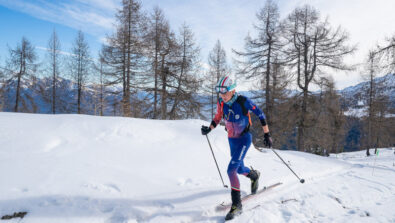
{"x": 234, "y": 109}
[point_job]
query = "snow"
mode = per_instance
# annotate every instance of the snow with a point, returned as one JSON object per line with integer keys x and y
{"x": 78, "y": 168}
{"x": 363, "y": 112}
{"x": 357, "y": 112}
{"x": 360, "y": 103}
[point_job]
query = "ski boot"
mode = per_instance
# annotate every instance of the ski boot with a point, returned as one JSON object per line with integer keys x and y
{"x": 254, "y": 177}
{"x": 236, "y": 208}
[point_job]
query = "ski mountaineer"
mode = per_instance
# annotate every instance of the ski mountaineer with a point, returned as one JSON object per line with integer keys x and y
{"x": 234, "y": 109}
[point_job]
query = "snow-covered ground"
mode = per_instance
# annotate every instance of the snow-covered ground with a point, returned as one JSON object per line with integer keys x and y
{"x": 363, "y": 112}
{"x": 357, "y": 112}
{"x": 77, "y": 168}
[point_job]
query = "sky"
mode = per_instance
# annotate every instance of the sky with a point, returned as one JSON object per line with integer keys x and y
{"x": 368, "y": 23}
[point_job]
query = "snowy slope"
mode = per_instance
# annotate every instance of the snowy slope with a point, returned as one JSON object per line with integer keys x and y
{"x": 356, "y": 96}
{"x": 77, "y": 168}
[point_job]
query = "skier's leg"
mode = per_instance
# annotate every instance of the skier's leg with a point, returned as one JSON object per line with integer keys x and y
{"x": 243, "y": 170}
{"x": 252, "y": 174}
{"x": 245, "y": 142}
{"x": 239, "y": 148}
{"x": 232, "y": 174}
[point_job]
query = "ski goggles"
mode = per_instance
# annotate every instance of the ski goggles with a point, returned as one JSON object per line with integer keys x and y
{"x": 223, "y": 89}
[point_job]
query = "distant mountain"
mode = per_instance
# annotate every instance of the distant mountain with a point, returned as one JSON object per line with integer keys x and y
{"x": 35, "y": 97}
{"x": 355, "y": 97}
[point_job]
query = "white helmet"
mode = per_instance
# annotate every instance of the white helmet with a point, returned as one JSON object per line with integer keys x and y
{"x": 224, "y": 85}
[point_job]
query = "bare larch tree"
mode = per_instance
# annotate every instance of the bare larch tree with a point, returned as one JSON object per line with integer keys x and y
{"x": 218, "y": 67}
{"x": 184, "y": 103}
{"x": 21, "y": 64}
{"x": 157, "y": 39}
{"x": 313, "y": 46}
{"x": 80, "y": 65}
{"x": 123, "y": 54}
{"x": 54, "y": 64}
{"x": 260, "y": 52}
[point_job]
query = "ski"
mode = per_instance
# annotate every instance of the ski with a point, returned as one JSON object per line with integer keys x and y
{"x": 226, "y": 206}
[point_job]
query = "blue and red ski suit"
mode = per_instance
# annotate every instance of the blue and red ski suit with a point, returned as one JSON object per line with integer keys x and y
{"x": 237, "y": 122}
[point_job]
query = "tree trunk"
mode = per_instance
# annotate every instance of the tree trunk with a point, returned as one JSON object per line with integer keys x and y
{"x": 163, "y": 92}
{"x": 128, "y": 66}
{"x": 301, "y": 129}
{"x": 101, "y": 89}
{"x": 267, "y": 91}
{"x": 53, "y": 84}
{"x": 79, "y": 100}
{"x": 17, "y": 93}
{"x": 156, "y": 70}
{"x": 21, "y": 71}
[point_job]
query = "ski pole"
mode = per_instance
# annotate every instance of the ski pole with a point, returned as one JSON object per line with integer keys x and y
{"x": 301, "y": 180}
{"x": 216, "y": 162}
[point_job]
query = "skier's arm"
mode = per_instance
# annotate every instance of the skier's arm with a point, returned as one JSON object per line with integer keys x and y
{"x": 218, "y": 116}
{"x": 265, "y": 128}
{"x": 258, "y": 112}
{"x": 267, "y": 139}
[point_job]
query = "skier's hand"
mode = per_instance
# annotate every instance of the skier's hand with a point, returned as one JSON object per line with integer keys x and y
{"x": 267, "y": 140}
{"x": 205, "y": 130}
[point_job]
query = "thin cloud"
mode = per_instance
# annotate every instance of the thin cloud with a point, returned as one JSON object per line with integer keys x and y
{"x": 94, "y": 17}
{"x": 111, "y": 5}
{"x": 368, "y": 22}
{"x": 59, "y": 51}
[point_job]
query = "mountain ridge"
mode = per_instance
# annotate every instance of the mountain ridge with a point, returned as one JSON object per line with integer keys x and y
{"x": 352, "y": 97}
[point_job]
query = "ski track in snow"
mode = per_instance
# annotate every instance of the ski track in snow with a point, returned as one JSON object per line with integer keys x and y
{"x": 77, "y": 168}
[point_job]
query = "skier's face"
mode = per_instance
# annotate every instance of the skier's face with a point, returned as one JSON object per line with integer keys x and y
{"x": 227, "y": 96}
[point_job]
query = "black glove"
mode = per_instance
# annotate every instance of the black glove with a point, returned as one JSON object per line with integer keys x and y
{"x": 205, "y": 130}
{"x": 267, "y": 141}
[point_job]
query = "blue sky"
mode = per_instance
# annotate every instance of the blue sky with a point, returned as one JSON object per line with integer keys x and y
{"x": 17, "y": 22}
{"x": 368, "y": 22}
